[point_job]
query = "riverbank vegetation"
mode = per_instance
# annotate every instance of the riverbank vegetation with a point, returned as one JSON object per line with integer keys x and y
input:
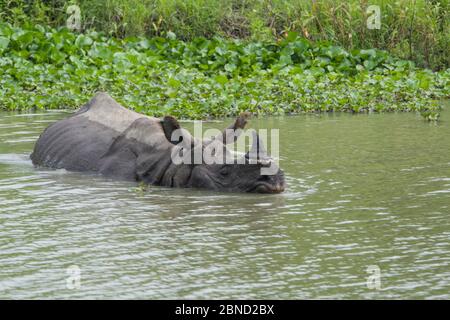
{"x": 416, "y": 30}
{"x": 43, "y": 67}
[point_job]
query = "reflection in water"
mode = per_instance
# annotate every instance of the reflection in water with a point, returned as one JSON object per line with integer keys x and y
{"x": 362, "y": 190}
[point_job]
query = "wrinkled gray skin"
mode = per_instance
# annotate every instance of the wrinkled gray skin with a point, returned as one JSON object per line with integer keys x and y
{"x": 107, "y": 138}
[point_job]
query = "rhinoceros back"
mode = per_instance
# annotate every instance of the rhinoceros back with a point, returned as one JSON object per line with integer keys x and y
{"x": 78, "y": 142}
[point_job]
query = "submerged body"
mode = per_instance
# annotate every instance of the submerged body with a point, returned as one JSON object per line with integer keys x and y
{"x": 107, "y": 138}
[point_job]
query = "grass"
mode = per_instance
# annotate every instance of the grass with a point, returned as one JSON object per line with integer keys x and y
{"x": 44, "y": 68}
{"x": 416, "y": 30}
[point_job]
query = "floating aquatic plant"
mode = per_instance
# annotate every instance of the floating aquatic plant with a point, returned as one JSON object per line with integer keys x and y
{"x": 43, "y": 68}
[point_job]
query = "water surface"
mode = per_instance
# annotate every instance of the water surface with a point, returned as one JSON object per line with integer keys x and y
{"x": 365, "y": 190}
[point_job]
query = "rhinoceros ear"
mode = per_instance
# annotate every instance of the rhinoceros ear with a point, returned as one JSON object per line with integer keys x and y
{"x": 169, "y": 125}
{"x": 230, "y": 134}
{"x": 241, "y": 121}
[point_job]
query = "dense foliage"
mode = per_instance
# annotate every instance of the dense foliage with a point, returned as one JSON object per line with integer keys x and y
{"x": 49, "y": 68}
{"x": 417, "y": 30}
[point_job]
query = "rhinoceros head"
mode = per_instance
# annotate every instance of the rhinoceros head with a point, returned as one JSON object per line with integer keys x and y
{"x": 255, "y": 171}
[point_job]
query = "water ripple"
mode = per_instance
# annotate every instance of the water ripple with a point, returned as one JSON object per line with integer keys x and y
{"x": 349, "y": 204}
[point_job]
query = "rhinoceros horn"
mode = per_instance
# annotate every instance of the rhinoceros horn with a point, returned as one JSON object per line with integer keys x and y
{"x": 258, "y": 153}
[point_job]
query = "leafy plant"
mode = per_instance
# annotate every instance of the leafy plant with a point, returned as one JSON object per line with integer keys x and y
{"x": 46, "y": 68}
{"x": 415, "y": 30}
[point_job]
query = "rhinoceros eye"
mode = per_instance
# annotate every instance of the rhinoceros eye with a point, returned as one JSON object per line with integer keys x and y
{"x": 224, "y": 170}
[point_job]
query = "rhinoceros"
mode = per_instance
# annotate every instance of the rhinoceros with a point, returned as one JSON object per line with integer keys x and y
{"x": 106, "y": 138}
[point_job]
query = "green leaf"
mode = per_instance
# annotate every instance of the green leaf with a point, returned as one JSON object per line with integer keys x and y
{"x": 170, "y": 35}
{"x": 174, "y": 83}
{"x": 292, "y": 36}
{"x": 3, "y": 43}
{"x": 83, "y": 40}
{"x": 230, "y": 67}
{"x": 221, "y": 79}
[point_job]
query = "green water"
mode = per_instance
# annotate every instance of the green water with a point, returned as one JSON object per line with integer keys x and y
{"x": 366, "y": 190}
